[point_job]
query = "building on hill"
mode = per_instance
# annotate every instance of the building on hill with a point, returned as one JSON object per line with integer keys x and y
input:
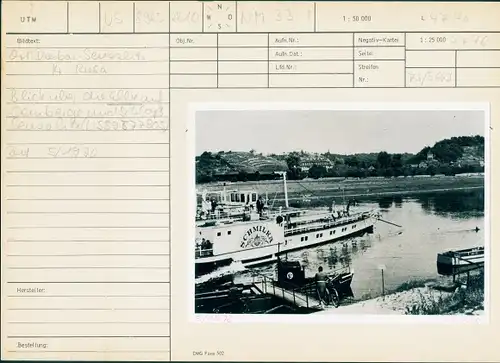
{"x": 470, "y": 161}
{"x": 433, "y": 162}
{"x": 307, "y": 163}
{"x": 470, "y": 149}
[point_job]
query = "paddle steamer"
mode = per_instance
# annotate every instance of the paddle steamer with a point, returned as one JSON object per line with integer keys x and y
{"x": 240, "y": 226}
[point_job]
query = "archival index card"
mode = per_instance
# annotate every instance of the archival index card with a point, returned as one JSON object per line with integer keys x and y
{"x": 105, "y": 106}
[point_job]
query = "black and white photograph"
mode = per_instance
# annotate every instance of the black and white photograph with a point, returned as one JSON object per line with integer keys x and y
{"x": 341, "y": 211}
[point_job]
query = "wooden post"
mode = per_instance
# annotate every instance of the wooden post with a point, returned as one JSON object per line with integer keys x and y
{"x": 383, "y": 287}
{"x": 382, "y": 268}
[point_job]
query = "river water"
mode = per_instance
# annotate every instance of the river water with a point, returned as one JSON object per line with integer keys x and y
{"x": 431, "y": 223}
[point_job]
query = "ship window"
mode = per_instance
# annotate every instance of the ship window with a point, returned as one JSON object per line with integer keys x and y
{"x": 307, "y": 237}
{"x": 218, "y": 233}
{"x": 333, "y": 231}
{"x": 232, "y": 197}
{"x": 301, "y": 239}
{"x": 254, "y": 197}
{"x": 353, "y": 226}
{"x": 228, "y": 232}
{"x": 243, "y": 198}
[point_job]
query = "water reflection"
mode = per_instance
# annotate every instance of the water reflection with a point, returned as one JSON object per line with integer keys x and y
{"x": 455, "y": 204}
{"x": 385, "y": 202}
{"x": 320, "y": 254}
{"x": 304, "y": 258}
{"x": 332, "y": 258}
{"x": 364, "y": 244}
{"x": 464, "y": 204}
{"x": 345, "y": 257}
{"x": 398, "y": 201}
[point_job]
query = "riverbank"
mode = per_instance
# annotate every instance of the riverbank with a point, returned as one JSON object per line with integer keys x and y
{"x": 422, "y": 298}
{"x": 300, "y": 190}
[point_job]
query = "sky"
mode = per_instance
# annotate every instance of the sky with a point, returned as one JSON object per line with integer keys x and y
{"x": 340, "y": 132}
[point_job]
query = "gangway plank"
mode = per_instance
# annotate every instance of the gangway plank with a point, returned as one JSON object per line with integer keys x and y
{"x": 297, "y": 298}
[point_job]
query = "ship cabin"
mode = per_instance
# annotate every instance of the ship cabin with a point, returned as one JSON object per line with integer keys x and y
{"x": 226, "y": 204}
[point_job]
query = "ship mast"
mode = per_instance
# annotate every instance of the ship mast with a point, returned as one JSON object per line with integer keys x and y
{"x": 343, "y": 195}
{"x": 285, "y": 188}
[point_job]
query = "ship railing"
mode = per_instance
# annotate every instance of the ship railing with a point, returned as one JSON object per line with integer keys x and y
{"x": 214, "y": 215}
{"x": 271, "y": 286}
{"x": 203, "y": 252}
{"x": 471, "y": 252}
{"x": 322, "y": 225}
{"x": 227, "y": 215}
{"x": 464, "y": 259}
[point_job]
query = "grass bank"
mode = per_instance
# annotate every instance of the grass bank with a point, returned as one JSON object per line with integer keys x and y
{"x": 353, "y": 186}
{"x": 337, "y": 187}
{"x": 422, "y": 297}
{"x": 464, "y": 299}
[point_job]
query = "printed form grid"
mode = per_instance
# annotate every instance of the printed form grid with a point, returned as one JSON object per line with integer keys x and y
{"x": 86, "y": 170}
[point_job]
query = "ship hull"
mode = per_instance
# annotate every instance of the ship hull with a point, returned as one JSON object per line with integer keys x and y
{"x": 202, "y": 268}
{"x": 267, "y": 254}
{"x": 457, "y": 262}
